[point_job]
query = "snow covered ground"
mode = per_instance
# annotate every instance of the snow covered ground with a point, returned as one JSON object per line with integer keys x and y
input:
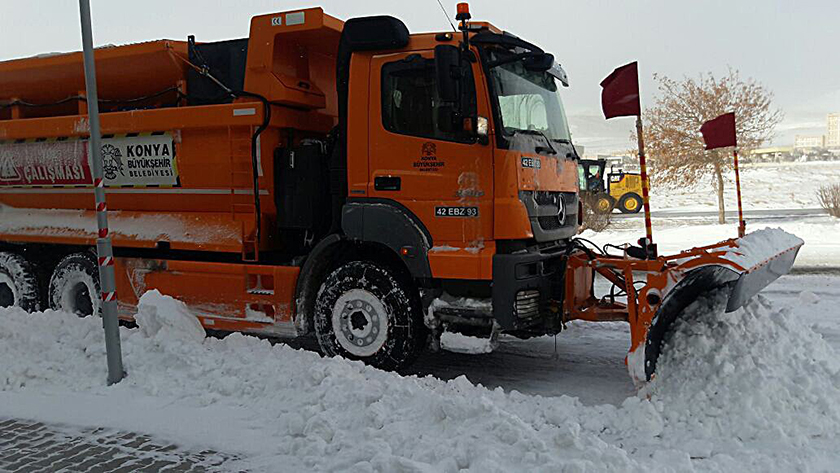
{"x": 776, "y": 186}
{"x": 672, "y": 235}
{"x": 755, "y": 390}
{"x": 763, "y": 186}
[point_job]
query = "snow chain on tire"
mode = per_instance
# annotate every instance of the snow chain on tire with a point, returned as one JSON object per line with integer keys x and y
{"x": 367, "y": 312}
{"x": 18, "y": 283}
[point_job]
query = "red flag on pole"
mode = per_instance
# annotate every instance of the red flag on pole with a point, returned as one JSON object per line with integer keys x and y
{"x": 620, "y": 97}
{"x": 720, "y": 132}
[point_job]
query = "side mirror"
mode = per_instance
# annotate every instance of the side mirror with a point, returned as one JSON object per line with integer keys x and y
{"x": 448, "y": 72}
{"x": 538, "y": 62}
{"x": 545, "y": 63}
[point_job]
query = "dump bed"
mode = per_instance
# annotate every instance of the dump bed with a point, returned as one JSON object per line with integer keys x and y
{"x": 178, "y": 175}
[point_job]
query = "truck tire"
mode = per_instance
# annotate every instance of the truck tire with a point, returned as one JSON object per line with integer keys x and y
{"x": 74, "y": 285}
{"x": 18, "y": 283}
{"x": 367, "y": 312}
{"x": 630, "y": 203}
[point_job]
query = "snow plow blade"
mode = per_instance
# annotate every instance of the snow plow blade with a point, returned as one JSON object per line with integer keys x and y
{"x": 741, "y": 267}
{"x": 752, "y": 282}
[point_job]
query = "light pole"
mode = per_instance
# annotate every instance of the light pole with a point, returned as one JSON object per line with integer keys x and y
{"x": 105, "y": 252}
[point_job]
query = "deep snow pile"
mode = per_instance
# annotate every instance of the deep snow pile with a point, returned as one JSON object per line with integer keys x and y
{"x": 748, "y": 390}
{"x": 755, "y": 378}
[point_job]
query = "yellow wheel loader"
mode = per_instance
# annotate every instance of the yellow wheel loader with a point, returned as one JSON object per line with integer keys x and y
{"x": 620, "y": 190}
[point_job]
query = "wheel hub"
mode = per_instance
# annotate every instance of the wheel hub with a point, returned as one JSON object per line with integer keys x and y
{"x": 360, "y": 322}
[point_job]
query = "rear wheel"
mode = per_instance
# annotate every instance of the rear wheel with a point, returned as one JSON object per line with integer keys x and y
{"x": 367, "y": 312}
{"x": 74, "y": 285}
{"x": 630, "y": 203}
{"x": 18, "y": 283}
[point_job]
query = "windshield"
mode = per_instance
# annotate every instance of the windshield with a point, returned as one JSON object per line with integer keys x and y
{"x": 528, "y": 100}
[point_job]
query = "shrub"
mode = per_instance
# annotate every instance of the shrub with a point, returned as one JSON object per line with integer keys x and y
{"x": 593, "y": 220}
{"x": 829, "y": 196}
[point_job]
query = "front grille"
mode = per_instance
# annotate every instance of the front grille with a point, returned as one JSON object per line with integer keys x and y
{"x": 553, "y": 214}
{"x": 548, "y": 198}
{"x": 550, "y": 223}
{"x": 527, "y": 303}
{"x": 554, "y": 198}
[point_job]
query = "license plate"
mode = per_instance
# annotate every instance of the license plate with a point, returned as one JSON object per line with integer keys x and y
{"x": 466, "y": 212}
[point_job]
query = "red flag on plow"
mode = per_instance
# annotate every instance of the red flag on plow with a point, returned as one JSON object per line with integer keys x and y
{"x": 620, "y": 97}
{"x": 720, "y": 132}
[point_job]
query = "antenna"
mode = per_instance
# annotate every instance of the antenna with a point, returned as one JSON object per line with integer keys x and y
{"x": 447, "y": 17}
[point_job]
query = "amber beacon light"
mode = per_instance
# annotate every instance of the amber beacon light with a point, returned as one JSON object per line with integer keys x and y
{"x": 463, "y": 10}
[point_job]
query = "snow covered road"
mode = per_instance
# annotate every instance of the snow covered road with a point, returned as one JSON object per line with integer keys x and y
{"x": 756, "y": 390}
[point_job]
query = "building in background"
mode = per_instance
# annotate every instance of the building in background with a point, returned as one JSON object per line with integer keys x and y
{"x": 809, "y": 142}
{"x": 776, "y": 154}
{"x": 832, "y": 139}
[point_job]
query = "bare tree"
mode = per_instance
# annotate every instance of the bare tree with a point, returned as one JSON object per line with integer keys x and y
{"x": 829, "y": 196}
{"x": 672, "y": 127}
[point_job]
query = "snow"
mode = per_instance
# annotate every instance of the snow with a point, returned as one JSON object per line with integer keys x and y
{"x": 145, "y": 226}
{"x": 460, "y": 343}
{"x": 754, "y": 390}
{"x": 753, "y": 375}
{"x": 759, "y": 246}
{"x": 165, "y": 318}
{"x": 783, "y": 190}
{"x": 821, "y": 236}
{"x": 763, "y": 186}
{"x": 443, "y": 249}
{"x": 808, "y": 297}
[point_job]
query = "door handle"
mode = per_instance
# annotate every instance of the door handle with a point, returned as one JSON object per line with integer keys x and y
{"x": 387, "y": 183}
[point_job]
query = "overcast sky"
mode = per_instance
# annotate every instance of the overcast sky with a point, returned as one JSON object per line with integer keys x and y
{"x": 792, "y": 47}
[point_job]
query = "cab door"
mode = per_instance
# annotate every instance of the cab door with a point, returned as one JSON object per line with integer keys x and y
{"x": 444, "y": 177}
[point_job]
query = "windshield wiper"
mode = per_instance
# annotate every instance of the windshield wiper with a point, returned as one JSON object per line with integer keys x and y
{"x": 538, "y": 149}
{"x": 573, "y": 154}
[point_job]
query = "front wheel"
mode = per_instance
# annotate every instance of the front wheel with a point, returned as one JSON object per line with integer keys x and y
{"x": 367, "y": 312}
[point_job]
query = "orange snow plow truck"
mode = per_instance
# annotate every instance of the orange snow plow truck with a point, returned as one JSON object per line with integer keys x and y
{"x": 343, "y": 179}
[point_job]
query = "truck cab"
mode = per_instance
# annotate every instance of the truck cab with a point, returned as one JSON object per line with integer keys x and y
{"x": 460, "y": 160}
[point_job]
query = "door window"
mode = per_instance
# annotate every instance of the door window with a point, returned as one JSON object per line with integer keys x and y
{"x": 410, "y": 104}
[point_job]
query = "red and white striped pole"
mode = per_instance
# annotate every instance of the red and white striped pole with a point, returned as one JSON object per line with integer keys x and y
{"x": 650, "y": 248}
{"x": 742, "y": 226}
{"x": 110, "y": 322}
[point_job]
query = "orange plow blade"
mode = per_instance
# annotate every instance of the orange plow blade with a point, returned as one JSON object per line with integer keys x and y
{"x": 655, "y": 292}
